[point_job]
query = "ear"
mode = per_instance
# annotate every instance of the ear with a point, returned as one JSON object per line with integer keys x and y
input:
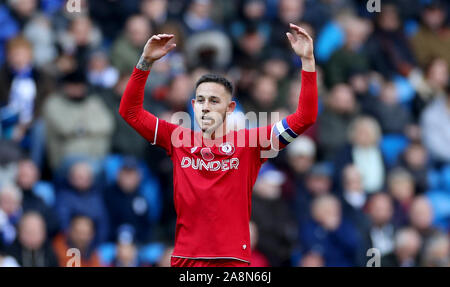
{"x": 231, "y": 107}
{"x": 193, "y": 103}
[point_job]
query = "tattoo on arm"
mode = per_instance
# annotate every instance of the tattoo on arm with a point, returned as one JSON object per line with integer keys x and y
{"x": 143, "y": 65}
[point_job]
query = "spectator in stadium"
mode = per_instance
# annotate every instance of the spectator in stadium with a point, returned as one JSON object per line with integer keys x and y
{"x": 250, "y": 46}
{"x": 339, "y": 111}
{"x": 436, "y": 252}
{"x": 126, "y": 205}
{"x": 263, "y": 96}
{"x": 400, "y": 185}
{"x": 435, "y": 121}
{"x": 364, "y": 135}
{"x": 40, "y": 33}
{"x": 100, "y": 73}
{"x": 289, "y": 11}
{"x": 128, "y": 47}
{"x": 124, "y": 140}
{"x": 77, "y": 122}
{"x": 110, "y": 15}
{"x": 126, "y": 250}
{"x": 80, "y": 235}
{"x": 380, "y": 210}
{"x": 251, "y": 12}
{"x": 80, "y": 39}
{"x": 10, "y": 154}
{"x": 127, "y": 255}
{"x": 433, "y": 85}
{"x": 312, "y": 259}
{"x": 415, "y": 160}
{"x": 421, "y": 218}
{"x": 407, "y": 246}
{"x": 276, "y": 229}
{"x": 361, "y": 82}
{"x": 23, "y": 88}
{"x": 27, "y": 180}
{"x": 353, "y": 200}
{"x": 432, "y": 41}
{"x": 178, "y": 94}
{"x": 258, "y": 258}
{"x": 82, "y": 195}
{"x": 330, "y": 234}
{"x": 32, "y": 248}
{"x": 390, "y": 45}
{"x": 318, "y": 182}
{"x": 353, "y": 191}
{"x": 300, "y": 157}
{"x": 23, "y": 11}
{"x": 393, "y": 117}
{"x": 320, "y": 13}
{"x": 156, "y": 11}
{"x": 353, "y": 55}
{"x": 10, "y": 212}
{"x": 198, "y": 17}
{"x": 276, "y": 65}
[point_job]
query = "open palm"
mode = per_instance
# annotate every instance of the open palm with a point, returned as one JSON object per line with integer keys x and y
{"x": 301, "y": 42}
{"x": 158, "y": 46}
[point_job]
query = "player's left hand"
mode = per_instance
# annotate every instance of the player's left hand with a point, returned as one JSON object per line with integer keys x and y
{"x": 301, "y": 42}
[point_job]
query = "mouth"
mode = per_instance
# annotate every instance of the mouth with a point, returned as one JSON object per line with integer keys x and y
{"x": 207, "y": 119}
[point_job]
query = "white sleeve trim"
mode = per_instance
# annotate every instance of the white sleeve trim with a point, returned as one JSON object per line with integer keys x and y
{"x": 156, "y": 131}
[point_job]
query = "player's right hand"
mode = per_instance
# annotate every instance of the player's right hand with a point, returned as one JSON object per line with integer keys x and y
{"x": 157, "y": 47}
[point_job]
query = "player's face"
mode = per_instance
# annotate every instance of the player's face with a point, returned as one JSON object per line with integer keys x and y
{"x": 211, "y": 105}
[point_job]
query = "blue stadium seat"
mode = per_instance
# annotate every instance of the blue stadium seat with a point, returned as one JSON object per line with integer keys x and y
{"x": 434, "y": 179}
{"x": 151, "y": 253}
{"x": 45, "y": 191}
{"x": 445, "y": 177}
{"x": 440, "y": 202}
{"x": 392, "y": 145}
{"x": 405, "y": 91}
{"x": 107, "y": 253}
{"x": 330, "y": 39}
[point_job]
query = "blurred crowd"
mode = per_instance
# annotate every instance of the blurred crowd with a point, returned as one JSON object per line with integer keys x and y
{"x": 373, "y": 172}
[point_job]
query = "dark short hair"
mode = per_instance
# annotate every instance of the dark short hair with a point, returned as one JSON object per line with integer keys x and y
{"x": 214, "y": 78}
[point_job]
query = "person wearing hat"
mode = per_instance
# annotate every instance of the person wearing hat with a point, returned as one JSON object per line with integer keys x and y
{"x": 300, "y": 157}
{"x": 318, "y": 182}
{"x": 126, "y": 249}
{"x": 126, "y": 205}
{"x": 77, "y": 123}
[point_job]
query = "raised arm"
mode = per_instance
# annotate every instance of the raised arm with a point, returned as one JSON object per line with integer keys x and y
{"x": 131, "y": 106}
{"x": 306, "y": 114}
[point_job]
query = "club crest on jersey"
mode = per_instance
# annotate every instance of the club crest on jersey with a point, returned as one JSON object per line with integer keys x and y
{"x": 226, "y": 148}
{"x": 207, "y": 154}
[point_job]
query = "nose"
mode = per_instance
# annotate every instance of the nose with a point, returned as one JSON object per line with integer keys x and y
{"x": 205, "y": 108}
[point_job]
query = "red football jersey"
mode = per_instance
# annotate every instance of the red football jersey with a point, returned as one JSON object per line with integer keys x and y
{"x": 213, "y": 179}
